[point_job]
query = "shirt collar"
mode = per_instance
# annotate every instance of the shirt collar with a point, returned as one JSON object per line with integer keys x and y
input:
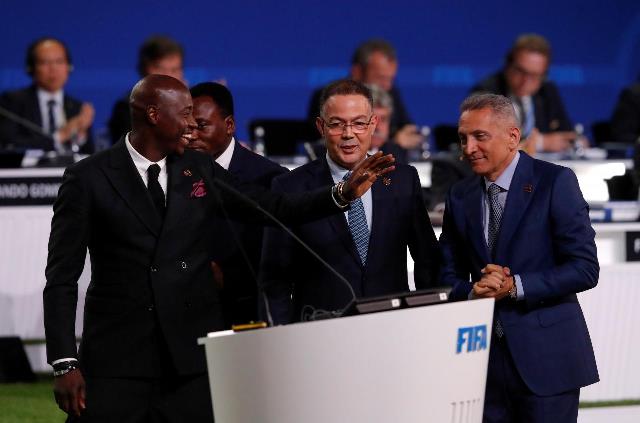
{"x": 337, "y": 171}
{"x": 504, "y": 180}
{"x": 140, "y": 161}
{"x": 224, "y": 159}
{"x": 45, "y": 96}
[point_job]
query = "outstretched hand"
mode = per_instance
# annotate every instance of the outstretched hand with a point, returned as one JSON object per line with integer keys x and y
{"x": 366, "y": 173}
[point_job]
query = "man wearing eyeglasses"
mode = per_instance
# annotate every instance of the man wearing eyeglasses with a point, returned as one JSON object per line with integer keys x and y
{"x": 544, "y": 122}
{"x": 367, "y": 244}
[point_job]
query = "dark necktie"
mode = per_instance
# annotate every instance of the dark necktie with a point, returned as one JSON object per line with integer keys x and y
{"x": 157, "y": 195}
{"x": 358, "y": 226}
{"x": 52, "y": 119}
{"x": 495, "y": 217}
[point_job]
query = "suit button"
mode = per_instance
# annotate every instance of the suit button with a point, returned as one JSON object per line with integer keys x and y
{"x": 154, "y": 269}
{"x": 150, "y": 307}
{"x": 183, "y": 265}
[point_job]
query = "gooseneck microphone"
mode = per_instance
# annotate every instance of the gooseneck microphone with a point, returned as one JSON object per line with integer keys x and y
{"x": 24, "y": 122}
{"x": 315, "y": 314}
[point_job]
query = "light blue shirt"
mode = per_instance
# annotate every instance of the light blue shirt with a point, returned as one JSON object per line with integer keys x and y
{"x": 504, "y": 182}
{"x": 337, "y": 173}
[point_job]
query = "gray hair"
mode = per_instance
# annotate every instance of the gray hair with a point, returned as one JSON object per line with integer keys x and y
{"x": 500, "y": 105}
{"x": 380, "y": 97}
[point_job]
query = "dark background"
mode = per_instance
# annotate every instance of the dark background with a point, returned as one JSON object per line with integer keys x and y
{"x": 272, "y": 54}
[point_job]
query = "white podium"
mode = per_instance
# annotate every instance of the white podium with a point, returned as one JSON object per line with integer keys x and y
{"x": 425, "y": 364}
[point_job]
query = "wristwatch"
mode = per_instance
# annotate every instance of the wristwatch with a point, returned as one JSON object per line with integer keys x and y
{"x": 60, "y": 369}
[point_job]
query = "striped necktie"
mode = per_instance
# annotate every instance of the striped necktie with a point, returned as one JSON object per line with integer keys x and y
{"x": 358, "y": 226}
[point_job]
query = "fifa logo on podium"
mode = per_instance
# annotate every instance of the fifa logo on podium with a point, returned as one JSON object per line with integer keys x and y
{"x": 474, "y": 337}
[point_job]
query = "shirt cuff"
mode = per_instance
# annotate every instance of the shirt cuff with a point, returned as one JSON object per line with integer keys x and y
{"x": 62, "y": 360}
{"x": 519, "y": 288}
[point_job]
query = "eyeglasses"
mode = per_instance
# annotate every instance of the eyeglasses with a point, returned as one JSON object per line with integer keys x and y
{"x": 337, "y": 128}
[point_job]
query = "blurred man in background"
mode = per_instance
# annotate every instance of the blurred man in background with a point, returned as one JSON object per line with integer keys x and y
{"x": 236, "y": 262}
{"x": 375, "y": 62}
{"x": 64, "y": 123}
{"x": 157, "y": 55}
{"x": 543, "y": 120}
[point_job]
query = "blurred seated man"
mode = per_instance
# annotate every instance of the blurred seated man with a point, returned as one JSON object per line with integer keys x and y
{"x": 64, "y": 122}
{"x": 375, "y": 62}
{"x": 213, "y": 112}
{"x": 157, "y": 55}
{"x": 545, "y": 125}
{"x": 625, "y": 123}
{"x": 380, "y": 141}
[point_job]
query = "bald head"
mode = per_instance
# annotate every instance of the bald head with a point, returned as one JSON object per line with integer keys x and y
{"x": 152, "y": 91}
{"x": 161, "y": 113}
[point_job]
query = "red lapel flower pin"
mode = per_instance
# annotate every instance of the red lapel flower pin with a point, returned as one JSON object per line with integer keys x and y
{"x": 198, "y": 189}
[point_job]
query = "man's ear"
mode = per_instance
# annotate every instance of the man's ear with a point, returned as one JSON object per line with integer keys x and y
{"x": 320, "y": 125}
{"x": 514, "y": 137}
{"x": 230, "y": 122}
{"x": 357, "y": 72}
{"x": 152, "y": 114}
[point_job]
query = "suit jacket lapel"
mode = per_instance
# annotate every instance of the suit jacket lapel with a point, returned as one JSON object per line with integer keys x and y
{"x": 127, "y": 182}
{"x": 337, "y": 221}
{"x": 473, "y": 212}
{"x": 178, "y": 190}
{"x": 518, "y": 199}
{"x": 34, "y": 107}
{"x": 382, "y": 212}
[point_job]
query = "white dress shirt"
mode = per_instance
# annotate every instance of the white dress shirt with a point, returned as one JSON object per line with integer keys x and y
{"x": 142, "y": 166}
{"x": 224, "y": 159}
{"x": 59, "y": 117}
{"x": 337, "y": 173}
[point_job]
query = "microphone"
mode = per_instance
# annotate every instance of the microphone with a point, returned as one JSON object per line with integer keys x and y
{"x": 254, "y": 205}
{"x": 24, "y": 122}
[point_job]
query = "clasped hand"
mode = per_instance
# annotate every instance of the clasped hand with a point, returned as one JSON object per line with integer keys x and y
{"x": 496, "y": 282}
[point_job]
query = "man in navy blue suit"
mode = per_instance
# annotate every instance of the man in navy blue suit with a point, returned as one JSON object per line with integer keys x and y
{"x": 236, "y": 262}
{"x": 367, "y": 244}
{"x": 518, "y": 231}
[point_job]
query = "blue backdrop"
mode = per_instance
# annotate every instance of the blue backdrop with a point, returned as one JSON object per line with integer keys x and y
{"x": 273, "y": 54}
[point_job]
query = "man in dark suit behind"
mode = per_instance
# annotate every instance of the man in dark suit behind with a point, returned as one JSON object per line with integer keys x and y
{"x": 368, "y": 244}
{"x": 64, "y": 122}
{"x": 519, "y": 231}
{"x": 143, "y": 209}
{"x": 544, "y": 122}
{"x": 236, "y": 263}
{"x": 375, "y": 62}
{"x": 158, "y": 55}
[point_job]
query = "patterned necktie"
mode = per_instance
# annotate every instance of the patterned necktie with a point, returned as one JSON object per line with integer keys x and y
{"x": 52, "y": 119}
{"x": 157, "y": 194}
{"x": 528, "y": 118}
{"x": 358, "y": 226}
{"x": 495, "y": 216}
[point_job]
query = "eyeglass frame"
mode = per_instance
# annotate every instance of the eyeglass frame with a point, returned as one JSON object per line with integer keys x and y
{"x": 342, "y": 126}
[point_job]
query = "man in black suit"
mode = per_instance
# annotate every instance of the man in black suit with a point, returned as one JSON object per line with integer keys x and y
{"x": 159, "y": 55}
{"x": 368, "y": 244}
{"x": 375, "y": 62}
{"x": 625, "y": 122}
{"x": 151, "y": 294}
{"x": 543, "y": 120}
{"x": 236, "y": 263}
{"x": 64, "y": 123}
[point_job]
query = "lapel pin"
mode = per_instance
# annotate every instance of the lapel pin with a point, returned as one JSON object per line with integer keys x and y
{"x": 528, "y": 188}
{"x": 187, "y": 172}
{"x": 386, "y": 181}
